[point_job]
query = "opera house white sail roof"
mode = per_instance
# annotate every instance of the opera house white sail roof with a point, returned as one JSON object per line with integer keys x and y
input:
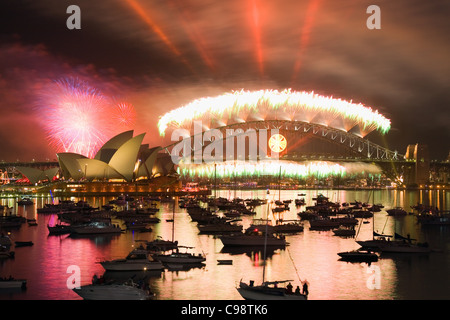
{"x": 122, "y": 157}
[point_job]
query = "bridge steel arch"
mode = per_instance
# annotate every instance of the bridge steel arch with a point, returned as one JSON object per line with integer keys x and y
{"x": 358, "y": 145}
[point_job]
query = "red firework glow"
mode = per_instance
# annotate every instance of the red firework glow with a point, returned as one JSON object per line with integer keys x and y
{"x": 79, "y": 118}
{"x": 124, "y": 114}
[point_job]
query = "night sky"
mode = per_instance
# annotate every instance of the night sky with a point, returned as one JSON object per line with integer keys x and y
{"x": 162, "y": 54}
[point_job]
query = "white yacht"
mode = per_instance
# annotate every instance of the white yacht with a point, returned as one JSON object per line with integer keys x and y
{"x": 96, "y": 227}
{"x": 177, "y": 257}
{"x": 137, "y": 260}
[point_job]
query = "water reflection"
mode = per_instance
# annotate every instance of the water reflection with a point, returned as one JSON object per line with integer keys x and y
{"x": 311, "y": 255}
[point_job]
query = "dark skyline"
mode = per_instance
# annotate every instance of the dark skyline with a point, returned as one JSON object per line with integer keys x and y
{"x": 160, "y": 55}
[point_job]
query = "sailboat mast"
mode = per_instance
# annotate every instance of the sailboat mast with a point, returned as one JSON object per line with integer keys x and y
{"x": 215, "y": 181}
{"x": 279, "y": 186}
{"x": 173, "y": 217}
{"x": 265, "y": 238}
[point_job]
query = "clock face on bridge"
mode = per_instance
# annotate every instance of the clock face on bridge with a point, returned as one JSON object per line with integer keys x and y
{"x": 277, "y": 143}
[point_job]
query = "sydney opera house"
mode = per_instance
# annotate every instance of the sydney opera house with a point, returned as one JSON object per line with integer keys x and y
{"x": 123, "y": 157}
{"x": 122, "y": 164}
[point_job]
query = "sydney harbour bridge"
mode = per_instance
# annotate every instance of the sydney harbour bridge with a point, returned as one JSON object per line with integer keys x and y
{"x": 313, "y": 130}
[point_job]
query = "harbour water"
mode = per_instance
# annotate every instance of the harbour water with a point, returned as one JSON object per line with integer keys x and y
{"x": 310, "y": 255}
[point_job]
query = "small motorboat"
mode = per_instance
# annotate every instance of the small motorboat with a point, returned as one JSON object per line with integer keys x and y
{"x": 59, "y": 229}
{"x": 345, "y": 231}
{"x": 23, "y": 243}
{"x": 177, "y": 257}
{"x": 397, "y": 211}
{"x": 11, "y": 283}
{"x": 5, "y": 252}
{"x": 358, "y": 256}
{"x": 5, "y": 240}
{"x": 96, "y": 227}
{"x": 160, "y": 244}
{"x": 25, "y": 202}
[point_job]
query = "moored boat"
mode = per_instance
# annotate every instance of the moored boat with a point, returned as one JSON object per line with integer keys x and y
{"x": 160, "y": 244}
{"x": 270, "y": 291}
{"x": 376, "y": 243}
{"x": 5, "y": 240}
{"x": 427, "y": 219}
{"x": 96, "y": 227}
{"x": 11, "y": 283}
{"x": 397, "y": 211}
{"x": 136, "y": 260}
{"x": 253, "y": 238}
{"x": 177, "y": 257}
{"x": 345, "y": 231}
{"x": 5, "y": 252}
{"x": 358, "y": 256}
{"x": 59, "y": 229}
{"x": 405, "y": 247}
{"x": 126, "y": 291}
{"x": 322, "y": 223}
{"x": 288, "y": 226}
{"x": 219, "y": 227}
{"x": 25, "y": 202}
{"x": 23, "y": 243}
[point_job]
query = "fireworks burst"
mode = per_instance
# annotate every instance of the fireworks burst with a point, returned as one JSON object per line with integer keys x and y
{"x": 273, "y": 104}
{"x": 124, "y": 114}
{"x": 77, "y": 117}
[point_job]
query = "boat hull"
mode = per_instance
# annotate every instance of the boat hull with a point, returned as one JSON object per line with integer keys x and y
{"x": 168, "y": 259}
{"x": 87, "y": 231}
{"x": 372, "y": 244}
{"x": 248, "y": 240}
{"x": 405, "y": 249}
{"x": 131, "y": 266}
{"x": 344, "y": 233}
{"x": 358, "y": 257}
{"x": 111, "y": 292}
{"x": 263, "y": 293}
{"x": 219, "y": 228}
{"x": 59, "y": 229}
{"x": 13, "y": 284}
